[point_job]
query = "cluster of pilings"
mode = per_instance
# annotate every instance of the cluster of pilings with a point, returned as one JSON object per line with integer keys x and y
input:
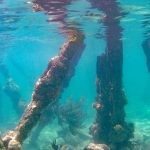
{"x": 110, "y": 126}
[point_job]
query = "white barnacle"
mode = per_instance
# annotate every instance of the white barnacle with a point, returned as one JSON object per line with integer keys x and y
{"x": 55, "y": 57}
{"x": 38, "y": 82}
{"x": 97, "y": 106}
{"x": 33, "y": 105}
{"x": 48, "y": 73}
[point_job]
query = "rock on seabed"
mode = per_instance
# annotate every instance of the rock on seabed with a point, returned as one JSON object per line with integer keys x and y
{"x": 93, "y": 146}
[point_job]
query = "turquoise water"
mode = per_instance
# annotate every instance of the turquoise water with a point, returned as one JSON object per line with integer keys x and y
{"x": 28, "y": 41}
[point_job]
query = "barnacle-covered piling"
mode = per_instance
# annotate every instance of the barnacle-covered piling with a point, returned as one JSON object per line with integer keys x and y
{"x": 110, "y": 126}
{"x": 47, "y": 89}
{"x": 55, "y": 78}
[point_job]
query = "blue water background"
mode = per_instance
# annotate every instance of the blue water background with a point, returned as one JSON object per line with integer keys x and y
{"x": 28, "y": 41}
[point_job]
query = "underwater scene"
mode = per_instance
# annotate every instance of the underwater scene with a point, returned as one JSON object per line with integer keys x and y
{"x": 75, "y": 75}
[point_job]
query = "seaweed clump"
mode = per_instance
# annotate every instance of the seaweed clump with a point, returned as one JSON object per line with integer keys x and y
{"x": 71, "y": 114}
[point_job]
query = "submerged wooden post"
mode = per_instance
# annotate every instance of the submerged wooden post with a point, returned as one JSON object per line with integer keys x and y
{"x": 110, "y": 126}
{"x": 50, "y": 85}
{"x": 47, "y": 89}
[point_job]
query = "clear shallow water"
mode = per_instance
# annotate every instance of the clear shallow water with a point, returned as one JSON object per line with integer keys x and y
{"x": 28, "y": 41}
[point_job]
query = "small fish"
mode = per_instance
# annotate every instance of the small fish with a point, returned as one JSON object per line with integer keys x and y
{"x": 128, "y": 19}
{"x": 29, "y": 2}
{"x": 134, "y": 7}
